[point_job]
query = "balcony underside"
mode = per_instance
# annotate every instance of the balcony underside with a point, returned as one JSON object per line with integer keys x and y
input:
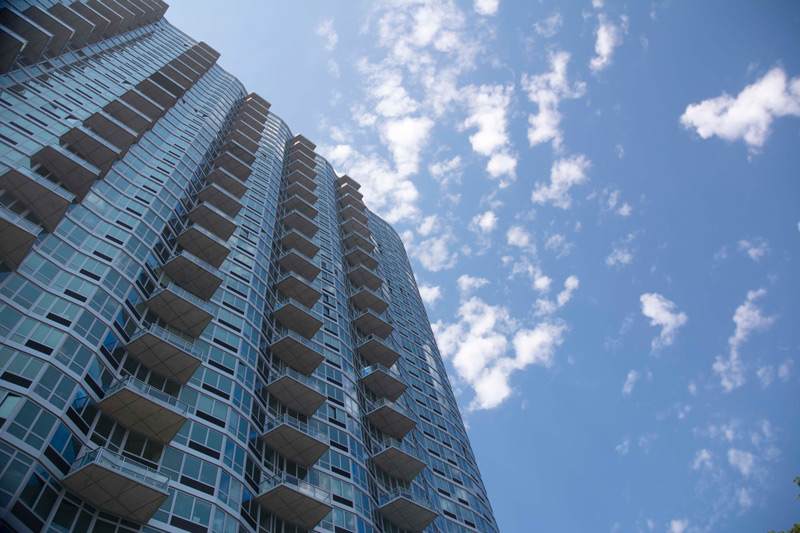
{"x": 157, "y": 93}
{"x": 19, "y": 236}
{"x": 163, "y": 357}
{"x": 294, "y": 506}
{"x": 193, "y": 275}
{"x": 80, "y": 26}
{"x": 306, "y": 226}
{"x": 128, "y": 115}
{"x": 384, "y": 384}
{"x": 46, "y": 200}
{"x": 94, "y": 149}
{"x": 239, "y": 151}
{"x": 366, "y": 299}
{"x": 296, "y": 395}
{"x": 221, "y": 199}
{"x": 204, "y": 245}
{"x": 76, "y": 174}
{"x": 115, "y": 493}
{"x": 298, "y": 289}
{"x": 377, "y": 352}
{"x": 179, "y": 312}
{"x": 294, "y": 240}
{"x": 364, "y": 277}
{"x": 352, "y": 224}
{"x": 398, "y": 463}
{"x": 298, "y": 355}
{"x": 357, "y": 239}
{"x": 246, "y": 141}
{"x": 391, "y": 421}
{"x": 406, "y": 514}
{"x": 297, "y": 319}
{"x": 295, "y": 262}
{"x": 227, "y": 181}
{"x": 345, "y": 179}
{"x": 352, "y": 212}
{"x": 371, "y": 324}
{"x": 143, "y": 415}
{"x": 111, "y": 130}
{"x": 35, "y": 39}
{"x": 213, "y": 220}
{"x": 359, "y": 256}
{"x": 298, "y": 155}
{"x": 234, "y": 165}
{"x": 295, "y": 445}
{"x": 295, "y": 202}
{"x": 146, "y": 106}
{"x": 296, "y": 189}
{"x": 302, "y": 179}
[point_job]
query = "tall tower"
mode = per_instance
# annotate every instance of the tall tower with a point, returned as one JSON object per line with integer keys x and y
{"x": 203, "y": 327}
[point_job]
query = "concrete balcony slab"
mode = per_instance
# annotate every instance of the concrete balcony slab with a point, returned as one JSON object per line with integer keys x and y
{"x": 45, "y": 199}
{"x": 295, "y": 440}
{"x": 193, "y": 274}
{"x": 165, "y": 353}
{"x": 181, "y": 309}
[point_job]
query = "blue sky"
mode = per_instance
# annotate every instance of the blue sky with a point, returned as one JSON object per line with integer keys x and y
{"x": 600, "y": 201}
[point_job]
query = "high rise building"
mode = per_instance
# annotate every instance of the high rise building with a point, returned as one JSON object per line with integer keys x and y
{"x": 203, "y": 328}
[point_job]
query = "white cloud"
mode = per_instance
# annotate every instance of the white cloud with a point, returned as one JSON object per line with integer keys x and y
{"x": 467, "y": 284}
{"x": 661, "y": 313}
{"x": 428, "y": 225}
{"x": 646, "y": 441}
{"x": 405, "y": 138}
{"x": 785, "y": 370}
{"x": 745, "y": 500}
{"x": 478, "y": 343}
{"x": 748, "y": 318}
{"x": 545, "y": 306}
{"x": 624, "y": 447}
{"x": 766, "y": 374}
{"x": 488, "y": 108}
{"x": 625, "y": 210}
{"x": 486, "y": 7}
{"x": 742, "y": 461}
{"x": 434, "y": 254}
{"x": 702, "y": 459}
{"x": 620, "y": 150}
{"x": 627, "y": 388}
{"x": 609, "y": 36}
{"x": 558, "y": 243}
{"x": 549, "y": 27}
{"x": 333, "y": 68}
{"x": 517, "y": 236}
{"x": 750, "y": 114}
{"x": 619, "y": 256}
{"x": 546, "y": 91}
{"x": 677, "y": 526}
{"x": 564, "y": 174}
{"x": 484, "y": 222}
{"x": 756, "y": 248}
{"x": 326, "y": 31}
{"x": 430, "y": 294}
{"x": 447, "y": 171}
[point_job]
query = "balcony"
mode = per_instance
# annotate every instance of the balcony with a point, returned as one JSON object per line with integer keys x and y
{"x": 390, "y": 418}
{"x": 157, "y": 93}
{"x": 301, "y": 140}
{"x": 294, "y": 240}
{"x": 145, "y": 409}
{"x": 114, "y": 18}
{"x": 356, "y": 239}
{"x": 181, "y": 310}
{"x": 170, "y": 85}
{"x": 234, "y": 165}
{"x": 76, "y": 174}
{"x": 45, "y": 199}
{"x": 257, "y": 101}
{"x": 359, "y": 256}
{"x": 94, "y": 149}
{"x": 407, "y": 510}
{"x": 245, "y": 129}
{"x": 99, "y": 22}
{"x": 229, "y": 182}
{"x": 353, "y": 225}
{"x": 255, "y": 112}
{"x": 346, "y": 188}
{"x": 347, "y": 180}
{"x": 19, "y": 236}
{"x": 80, "y": 26}
{"x": 297, "y": 317}
{"x": 362, "y": 276}
{"x": 371, "y": 324}
{"x": 117, "y": 485}
{"x": 302, "y": 179}
{"x": 165, "y": 353}
{"x": 243, "y": 140}
{"x": 145, "y": 105}
{"x": 398, "y": 460}
{"x": 191, "y": 72}
{"x": 295, "y": 500}
{"x": 368, "y": 299}
{"x": 378, "y": 351}
{"x": 294, "y": 261}
{"x": 296, "y": 189}
{"x": 177, "y": 77}
{"x": 126, "y": 114}
{"x": 298, "y": 289}
{"x": 59, "y": 31}
{"x": 296, "y": 146}
{"x": 301, "y": 354}
{"x": 295, "y": 440}
{"x": 350, "y": 200}
{"x": 239, "y": 151}
{"x": 221, "y": 199}
{"x": 352, "y": 212}
{"x": 19, "y": 28}
{"x": 297, "y": 392}
{"x": 193, "y": 274}
{"x": 300, "y": 222}
{"x": 297, "y": 203}
{"x": 111, "y": 130}
{"x": 250, "y": 120}
{"x": 300, "y": 167}
{"x": 302, "y": 157}
{"x": 383, "y": 381}
{"x": 213, "y": 220}
{"x": 204, "y": 245}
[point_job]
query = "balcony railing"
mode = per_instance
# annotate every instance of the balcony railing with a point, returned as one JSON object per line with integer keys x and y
{"x": 383, "y": 381}
{"x": 117, "y": 484}
{"x": 357, "y": 255}
{"x": 362, "y": 276}
{"x": 204, "y": 245}
{"x": 301, "y": 354}
{"x": 181, "y": 309}
{"x": 295, "y": 500}
{"x": 297, "y": 317}
{"x": 398, "y": 459}
{"x": 296, "y": 287}
{"x": 390, "y": 418}
{"x": 301, "y": 393}
{"x": 193, "y": 274}
{"x": 366, "y": 298}
{"x": 377, "y": 350}
{"x": 165, "y": 353}
{"x": 407, "y": 510}
{"x": 295, "y": 440}
{"x": 293, "y": 239}
{"x": 294, "y": 261}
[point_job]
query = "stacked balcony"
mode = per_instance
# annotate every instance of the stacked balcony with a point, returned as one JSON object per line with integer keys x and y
{"x": 297, "y": 189}
{"x": 352, "y": 212}
{"x": 407, "y": 510}
{"x": 298, "y": 221}
{"x": 398, "y": 460}
{"x": 60, "y": 33}
{"x": 181, "y": 310}
{"x": 165, "y": 353}
{"x": 366, "y": 298}
{"x": 295, "y": 500}
{"x": 384, "y": 382}
{"x": 220, "y": 198}
{"x": 130, "y": 115}
{"x": 235, "y": 166}
{"x": 296, "y": 202}
{"x": 81, "y": 28}
{"x": 144, "y": 105}
{"x": 369, "y": 323}
{"x": 359, "y": 256}
{"x": 193, "y": 274}
{"x": 390, "y": 418}
{"x": 294, "y": 261}
{"x": 117, "y": 485}
{"x": 361, "y": 276}
{"x": 344, "y": 179}
{"x": 354, "y": 225}
{"x": 294, "y": 240}
{"x": 213, "y": 219}
{"x": 297, "y": 317}
{"x": 299, "y": 353}
{"x": 19, "y": 235}
{"x": 48, "y": 201}
{"x": 229, "y": 182}
{"x": 347, "y": 199}
{"x": 295, "y": 440}
{"x": 355, "y": 238}
{"x": 21, "y": 36}
{"x": 111, "y": 129}
{"x": 296, "y": 391}
{"x": 203, "y": 245}
{"x": 144, "y": 409}
{"x": 299, "y": 289}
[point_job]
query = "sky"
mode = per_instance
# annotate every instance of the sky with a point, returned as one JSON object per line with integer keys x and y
{"x": 600, "y": 203}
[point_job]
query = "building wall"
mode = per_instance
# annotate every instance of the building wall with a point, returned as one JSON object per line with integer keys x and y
{"x": 83, "y": 294}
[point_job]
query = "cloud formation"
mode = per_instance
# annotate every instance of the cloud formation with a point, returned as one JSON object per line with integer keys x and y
{"x": 661, "y": 312}
{"x": 488, "y": 108}
{"x": 749, "y": 115}
{"x": 564, "y": 174}
{"x": 609, "y": 36}
{"x": 328, "y": 34}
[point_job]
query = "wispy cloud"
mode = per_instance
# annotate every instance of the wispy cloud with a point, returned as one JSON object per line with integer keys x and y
{"x": 630, "y": 381}
{"x": 488, "y": 107}
{"x": 564, "y": 174}
{"x": 662, "y": 313}
{"x": 609, "y": 36}
{"x": 328, "y": 34}
{"x": 549, "y": 27}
